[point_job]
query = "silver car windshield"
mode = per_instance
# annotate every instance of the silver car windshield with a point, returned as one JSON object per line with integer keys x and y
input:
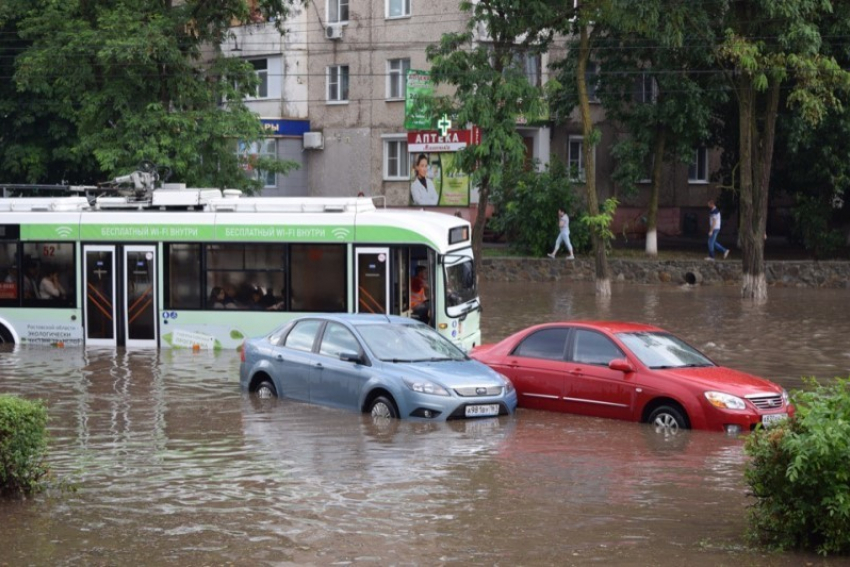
{"x": 408, "y": 343}
{"x": 663, "y": 350}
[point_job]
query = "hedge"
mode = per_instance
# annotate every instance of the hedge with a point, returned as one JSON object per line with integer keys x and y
{"x": 23, "y": 445}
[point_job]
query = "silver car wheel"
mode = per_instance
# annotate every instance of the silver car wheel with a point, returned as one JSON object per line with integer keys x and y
{"x": 668, "y": 420}
{"x": 381, "y": 410}
{"x": 266, "y": 390}
{"x": 665, "y": 421}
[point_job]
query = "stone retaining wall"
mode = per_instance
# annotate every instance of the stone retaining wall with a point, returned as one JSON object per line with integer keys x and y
{"x": 645, "y": 271}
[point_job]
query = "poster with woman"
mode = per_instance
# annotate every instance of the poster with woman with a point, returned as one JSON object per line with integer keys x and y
{"x": 423, "y": 190}
{"x": 435, "y": 181}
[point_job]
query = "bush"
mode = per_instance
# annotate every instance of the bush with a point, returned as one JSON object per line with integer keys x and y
{"x": 812, "y": 226}
{"x": 800, "y": 474}
{"x": 23, "y": 445}
{"x": 528, "y": 212}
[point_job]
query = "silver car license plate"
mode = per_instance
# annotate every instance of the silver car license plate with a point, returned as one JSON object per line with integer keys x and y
{"x": 772, "y": 419}
{"x": 482, "y": 410}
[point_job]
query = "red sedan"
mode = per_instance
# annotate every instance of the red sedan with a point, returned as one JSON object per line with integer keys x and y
{"x": 633, "y": 372}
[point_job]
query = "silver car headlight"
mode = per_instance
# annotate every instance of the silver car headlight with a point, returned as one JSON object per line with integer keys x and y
{"x": 509, "y": 386}
{"x": 785, "y": 397}
{"x": 725, "y": 401}
{"x": 426, "y": 387}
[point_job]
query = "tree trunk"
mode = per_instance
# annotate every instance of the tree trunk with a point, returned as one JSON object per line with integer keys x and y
{"x": 652, "y": 214}
{"x": 480, "y": 220}
{"x": 602, "y": 276}
{"x": 756, "y": 159}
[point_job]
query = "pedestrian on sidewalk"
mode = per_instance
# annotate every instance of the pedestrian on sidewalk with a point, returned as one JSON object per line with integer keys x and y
{"x": 713, "y": 229}
{"x": 563, "y": 235}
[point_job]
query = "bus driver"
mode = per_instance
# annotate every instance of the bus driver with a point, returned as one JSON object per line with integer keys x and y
{"x": 420, "y": 304}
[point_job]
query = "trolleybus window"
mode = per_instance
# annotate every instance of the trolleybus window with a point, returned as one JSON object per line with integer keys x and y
{"x": 319, "y": 277}
{"x": 183, "y": 290}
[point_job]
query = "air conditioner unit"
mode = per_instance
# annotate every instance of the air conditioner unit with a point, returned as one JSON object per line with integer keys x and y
{"x": 313, "y": 141}
{"x": 333, "y": 31}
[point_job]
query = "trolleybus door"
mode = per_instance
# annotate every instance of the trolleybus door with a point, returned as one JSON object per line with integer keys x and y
{"x": 99, "y": 296}
{"x": 373, "y": 280}
{"x": 139, "y": 296}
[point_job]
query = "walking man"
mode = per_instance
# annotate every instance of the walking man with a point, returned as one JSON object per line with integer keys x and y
{"x": 713, "y": 229}
{"x": 563, "y": 235}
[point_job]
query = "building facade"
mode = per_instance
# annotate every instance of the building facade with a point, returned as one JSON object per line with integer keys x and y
{"x": 336, "y": 90}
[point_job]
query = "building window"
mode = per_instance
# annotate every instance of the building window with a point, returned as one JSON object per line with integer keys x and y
{"x": 261, "y": 68}
{"x": 398, "y": 8}
{"x": 591, "y": 76}
{"x": 338, "y": 83}
{"x": 397, "y": 78}
{"x": 647, "y": 89}
{"x": 249, "y": 153}
{"x": 575, "y": 158}
{"x": 529, "y": 64}
{"x": 337, "y": 11}
{"x": 698, "y": 168}
{"x": 396, "y": 160}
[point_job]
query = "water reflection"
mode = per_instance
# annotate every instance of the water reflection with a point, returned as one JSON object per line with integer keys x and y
{"x": 175, "y": 466}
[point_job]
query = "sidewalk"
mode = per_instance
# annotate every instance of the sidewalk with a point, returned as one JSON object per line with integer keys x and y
{"x": 691, "y": 248}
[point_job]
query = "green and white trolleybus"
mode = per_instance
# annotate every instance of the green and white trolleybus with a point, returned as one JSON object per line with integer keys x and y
{"x": 203, "y": 269}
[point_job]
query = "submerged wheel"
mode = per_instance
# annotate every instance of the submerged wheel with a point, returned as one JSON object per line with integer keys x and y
{"x": 5, "y": 336}
{"x": 668, "y": 419}
{"x": 266, "y": 390}
{"x": 383, "y": 407}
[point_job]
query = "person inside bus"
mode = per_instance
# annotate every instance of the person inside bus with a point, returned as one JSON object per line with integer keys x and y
{"x": 31, "y": 283}
{"x": 229, "y": 300}
{"x": 420, "y": 303}
{"x": 216, "y": 300}
{"x": 258, "y": 299}
{"x": 50, "y": 287}
{"x": 11, "y": 275}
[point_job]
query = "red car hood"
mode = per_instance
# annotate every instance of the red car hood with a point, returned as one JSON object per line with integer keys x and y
{"x": 723, "y": 379}
{"x": 480, "y": 350}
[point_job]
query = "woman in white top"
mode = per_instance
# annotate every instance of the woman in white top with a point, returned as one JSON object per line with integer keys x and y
{"x": 49, "y": 287}
{"x": 422, "y": 189}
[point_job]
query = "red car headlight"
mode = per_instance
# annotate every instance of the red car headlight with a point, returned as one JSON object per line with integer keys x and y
{"x": 725, "y": 401}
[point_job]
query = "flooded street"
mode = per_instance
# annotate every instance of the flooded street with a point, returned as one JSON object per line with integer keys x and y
{"x": 174, "y": 466}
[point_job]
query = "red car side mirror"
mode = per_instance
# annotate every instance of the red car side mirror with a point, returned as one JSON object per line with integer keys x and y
{"x": 621, "y": 364}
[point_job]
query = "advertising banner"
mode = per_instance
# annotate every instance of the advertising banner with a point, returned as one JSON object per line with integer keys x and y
{"x": 418, "y": 85}
{"x": 435, "y": 181}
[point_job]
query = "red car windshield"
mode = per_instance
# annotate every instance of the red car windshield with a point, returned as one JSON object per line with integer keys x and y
{"x": 663, "y": 350}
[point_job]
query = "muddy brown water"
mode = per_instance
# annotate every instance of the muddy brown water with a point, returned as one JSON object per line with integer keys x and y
{"x": 173, "y": 466}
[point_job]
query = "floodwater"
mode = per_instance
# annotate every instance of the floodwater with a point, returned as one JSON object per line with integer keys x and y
{"x": 172, "y": 465}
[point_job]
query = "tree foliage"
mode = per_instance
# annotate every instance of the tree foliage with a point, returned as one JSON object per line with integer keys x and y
{"x": 773, "y": 51}
{"x": 655, "y": 89}
{"x": 98, "y": 86}
{"x": 490, "y": 90}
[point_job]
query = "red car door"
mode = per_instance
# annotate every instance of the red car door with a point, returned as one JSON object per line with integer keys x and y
{"x": 536, "y": 368}
{"x": 591, "y": 387}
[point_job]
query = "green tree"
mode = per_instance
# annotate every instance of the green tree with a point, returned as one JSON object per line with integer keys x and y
{"x": 579, "y": 20}
{"x": 652, "y": 61}
{"x": 101, "y": 85}
{"x": 769, "y": 47}
{"x": 490, "y": 90}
